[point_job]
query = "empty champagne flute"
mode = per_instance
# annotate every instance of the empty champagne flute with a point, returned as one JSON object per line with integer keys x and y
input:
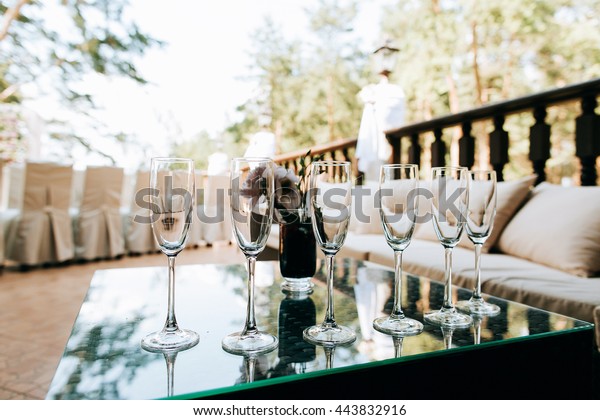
{"x": 448, "y": 207}
{"x": 398, "y": 207}
{"x": 481, "y": 211}
{"x": 330, "y": 206}
{"x": 252, "y": 195}
{"x": 172, "y": 183}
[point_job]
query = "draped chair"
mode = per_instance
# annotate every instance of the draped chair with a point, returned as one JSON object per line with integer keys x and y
{"x": 196, "y": 234}
{"x": 139, "y": 238}
{"x": 216, "y": 211}
{"x": 99, "y": 225}
{"x": 42, "y": 232}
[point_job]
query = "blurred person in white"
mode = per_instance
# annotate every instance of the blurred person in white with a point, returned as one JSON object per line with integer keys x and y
{"x": 384, "y": 109}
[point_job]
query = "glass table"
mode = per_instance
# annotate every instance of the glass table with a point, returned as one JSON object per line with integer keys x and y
{"x": 521, "y": 353}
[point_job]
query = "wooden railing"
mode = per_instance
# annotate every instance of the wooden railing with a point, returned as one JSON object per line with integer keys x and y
{"x": 587, "y": 132}
{"x": 337, "y": 150}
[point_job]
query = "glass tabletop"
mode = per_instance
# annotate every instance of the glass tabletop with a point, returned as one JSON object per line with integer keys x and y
{"x": 103, "y": 358}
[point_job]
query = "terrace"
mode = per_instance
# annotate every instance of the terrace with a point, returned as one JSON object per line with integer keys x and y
{"x": 43, "y": 302}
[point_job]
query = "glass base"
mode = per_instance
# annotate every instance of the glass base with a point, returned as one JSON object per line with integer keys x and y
{"x": 256, "y": 343}
{"x": 164, "y": 341}
{"x": 448, "y": 318}
{"x": 302, "y": 285}
{"x": 398, "y": 327}
{"x": 326, "y": 335}
{"x": 478, "y": 307}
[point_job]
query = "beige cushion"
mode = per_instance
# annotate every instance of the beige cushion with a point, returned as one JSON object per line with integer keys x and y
{"x": 359, "y": 246}
{"x": 558, "y": 227}
{"x": 503, "y": 276}
{"x": 365, "y": 213}
{"x": 510, "y": 196}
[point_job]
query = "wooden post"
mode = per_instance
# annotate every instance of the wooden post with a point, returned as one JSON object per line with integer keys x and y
{"x": 466, "y": 147}
{"x": 539, "y": 143}
{"x": 396, "y": 143}
{"x": 499, "y": 147}
{"x": 438, "y": 149}
{"x": 414, "y": 151}
{"x": 587, "y": 141}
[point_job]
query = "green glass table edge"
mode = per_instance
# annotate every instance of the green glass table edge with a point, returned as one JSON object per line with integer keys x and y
{"x": 392, "y": 361}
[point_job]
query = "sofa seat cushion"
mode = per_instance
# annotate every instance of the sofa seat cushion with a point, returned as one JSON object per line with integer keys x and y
{"x": 550, "y": 290}
{"x": 426, "y": 258}
{"x": 503, "y": 276}
{"x": 359, "y": 246}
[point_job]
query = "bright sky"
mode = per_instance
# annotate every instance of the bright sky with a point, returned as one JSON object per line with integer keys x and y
{"x": 195, "y": 80}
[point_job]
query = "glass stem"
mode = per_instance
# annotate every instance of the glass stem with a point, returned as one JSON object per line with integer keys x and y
{"x": 397, "y": 309}
{"x": 448, "y": 280}
{"x": 250, "y": 368}
{"x": 250, "y": 327}
{"x": 170, "y": 358}
{"x": 398, "y": 345}
{"x": 477, "y": 291}
{"x": 171, "y": 323}
{"x": 477, "y": 331}
{"x": 329, "y": 352}
{"x": 329, "y": 317}
{"x": 447, "y": 333}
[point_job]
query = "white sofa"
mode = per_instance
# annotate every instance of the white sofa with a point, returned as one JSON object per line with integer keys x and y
{"x": 544, "y": 250}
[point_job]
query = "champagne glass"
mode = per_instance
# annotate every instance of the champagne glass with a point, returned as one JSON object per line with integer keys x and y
{"x": 481, "y": 211}
{"x": 172, "y": 183}
{"x": 448, "y": 207}
{"x": 330, "y": 206}
{"x": 252, "y": 195}
{"x": 398, "y": 210}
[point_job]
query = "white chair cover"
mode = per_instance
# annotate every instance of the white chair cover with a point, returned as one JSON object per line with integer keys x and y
{"x": 139, "y": 237}
{"x": 196, "y": 233}
{"x": 43, "y": 232}
{"x": 99, "y": 226}
{"x": 217, "y": 211}
{"x": 15, "y": 186}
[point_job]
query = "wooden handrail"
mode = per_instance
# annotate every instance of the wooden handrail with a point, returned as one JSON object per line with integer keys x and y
{"x": 511, "y": 106}
{"x": 316, "y": 150}
{"x": 343, "y": 149}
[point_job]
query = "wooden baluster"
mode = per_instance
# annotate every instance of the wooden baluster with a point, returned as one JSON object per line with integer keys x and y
{"x": 346, "y": 154}
{"x": 539, "y": 143}
{"x": 499, "y": 147}
{"x": 466, "y": 147}
{"x": 353, "y": 167}
{"x": 438, "y": 149}
{"x": 396, "y": 142}
{"x": 414, "y": 151}
{"x": 332, "y": 170}
{"x": 587, "y": 141}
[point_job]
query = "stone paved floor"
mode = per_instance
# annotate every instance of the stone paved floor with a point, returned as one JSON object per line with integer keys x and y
{"x": 38, "y": 309}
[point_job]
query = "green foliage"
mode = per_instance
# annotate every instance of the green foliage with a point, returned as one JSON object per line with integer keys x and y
{"x": 91, "y": 37}
{"x": 198, "y": 149}
{"x": 459, "y": 54}
{"x": 307, "y": 88}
